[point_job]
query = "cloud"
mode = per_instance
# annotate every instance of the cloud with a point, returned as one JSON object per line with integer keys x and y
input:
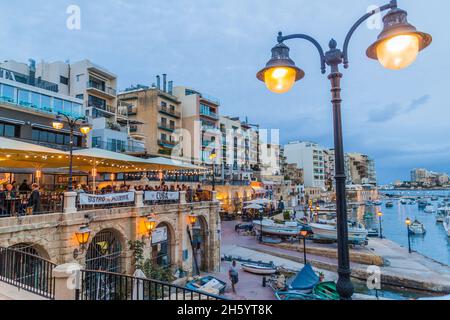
{"x": 387, "y": 113}
{"x": 393, "y": 110}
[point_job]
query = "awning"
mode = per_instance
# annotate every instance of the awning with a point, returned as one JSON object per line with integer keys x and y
{"x": 19, "y": 154}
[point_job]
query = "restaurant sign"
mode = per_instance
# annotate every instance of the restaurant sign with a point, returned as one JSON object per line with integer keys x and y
{"x": 93, "y": 199}
{"x": 161, "y": 196}
{"x": 159, "y": 235}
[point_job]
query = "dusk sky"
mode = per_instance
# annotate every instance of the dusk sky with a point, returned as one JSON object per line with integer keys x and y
{"x": 400, "y": 118}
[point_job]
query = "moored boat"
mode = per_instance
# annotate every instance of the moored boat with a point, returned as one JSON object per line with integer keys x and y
{"x": 417, "y": 228}
{"x": 429, "y": 209}
{"x": 442, "y": 213}
{"x": 389, "y": 204}
{"x": 260, "y": 268}
{"x": 447, "y": 224}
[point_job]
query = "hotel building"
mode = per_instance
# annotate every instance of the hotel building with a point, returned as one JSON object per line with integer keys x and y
{"x": 360, "y": 169}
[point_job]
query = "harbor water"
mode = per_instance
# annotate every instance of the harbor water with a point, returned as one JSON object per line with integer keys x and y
{"x": 435, "y": 244}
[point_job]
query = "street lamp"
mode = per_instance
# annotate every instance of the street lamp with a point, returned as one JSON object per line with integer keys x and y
{"x": 192, "y": 217}
{"x": 213, "y": 157}
{"x": 82, "y": 236}
{"x": 408, "y": 223}
{"x": 380, "y": 218}
{"x": 396, "y": 48}
{"x": 304, "y": 234}
{"x": 150, "y": 224}
{"x": 85, "y": 128}
{"x": 261, "y": 211}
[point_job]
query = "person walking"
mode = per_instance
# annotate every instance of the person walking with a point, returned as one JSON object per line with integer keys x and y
{"x": 233, "y": 275}
{"x": 34, "y": 202}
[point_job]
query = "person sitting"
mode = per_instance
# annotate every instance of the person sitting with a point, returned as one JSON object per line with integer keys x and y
{"x": 34, "y": 202}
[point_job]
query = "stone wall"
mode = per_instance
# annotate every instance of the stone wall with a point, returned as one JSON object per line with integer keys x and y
{"x": 53, "y": 235}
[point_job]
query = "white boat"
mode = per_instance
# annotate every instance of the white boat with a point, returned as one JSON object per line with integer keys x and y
{"x": 442, "y": 213}
{"x": 447, "y": 224}
{"x": 280, "y": 229}
{"x": 259, "y": 268}
{"x": 429, "y": 209}
{"x": 417, "y": 228}
{"x": 356, "y": 234}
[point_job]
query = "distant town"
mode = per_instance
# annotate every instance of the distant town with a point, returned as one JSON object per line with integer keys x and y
{"x": 423, "y": 179}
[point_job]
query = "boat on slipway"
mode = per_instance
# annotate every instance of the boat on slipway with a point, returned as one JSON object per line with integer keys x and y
{"x": 357, "y": 233}
{"x": 267, "y": 226}
{"x": 260, "y": 268}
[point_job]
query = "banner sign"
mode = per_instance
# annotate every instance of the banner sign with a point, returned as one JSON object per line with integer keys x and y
{"x": 110, "y": 198}
{"x": 159, "y": 235}
{"x": 161, "y": 196}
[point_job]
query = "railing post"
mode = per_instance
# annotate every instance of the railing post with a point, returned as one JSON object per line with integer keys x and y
{"x": 139, "y": 200}
{"x": 214, "y": 196}
{"x": 183, "y": 197}
{"x": 70, "y": 202}
{"x": 67, "y": 281}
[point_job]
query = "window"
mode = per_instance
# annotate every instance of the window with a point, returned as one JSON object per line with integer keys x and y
{"x": 163, "y": 137}
{"x": 24, "y": 97}
{"x": 78, "y": 77}
{"x": 80, "y": 96}
{"x": 172, "y": 124}
{"x": 163, "y": 104}
{"x": 52, "y": 137}
{"x": 163, "y": 121}
{"x": 9, "y": 130}
{"x": 64, "y": 80}
{"x": 8, "y": 93}
{"x": 172, "y": 108}
{"x": 46, "y": 102}
{"x": 35, "y": 100}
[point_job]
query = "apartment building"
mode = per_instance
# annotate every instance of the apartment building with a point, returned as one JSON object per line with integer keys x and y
{"x": 360, "y": 169}
{"x": 97, "y": 88}
{"x": 330, "y": 172}
{"x": 159, "y": 111}
{"x": 200, "y": 124}
{"x": 310, "y": 157}
{"x": 29, "y": 104}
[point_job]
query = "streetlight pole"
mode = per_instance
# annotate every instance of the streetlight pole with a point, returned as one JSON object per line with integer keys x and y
{"x": 380, "y": 217}
{"x": 408, "y": 223}
{"x": 261, "y": 225}
{"x": 84, "y": 128}
{"x": 397, "y": 47}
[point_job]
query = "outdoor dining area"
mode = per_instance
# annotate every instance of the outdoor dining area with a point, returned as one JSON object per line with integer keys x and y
{"x": 34, "y": 178}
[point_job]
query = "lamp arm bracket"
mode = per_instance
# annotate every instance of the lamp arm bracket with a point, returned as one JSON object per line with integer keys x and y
{"x": 391, "y": 5}
{"x": 282, "y": 38}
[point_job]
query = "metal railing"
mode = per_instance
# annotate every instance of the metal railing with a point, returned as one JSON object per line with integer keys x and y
{"x": 100, "y": 285}
{"x": 101, "y": 87}
{"x": 170, "y": 112}
{"x": 27, "y": 271}
{"x": 18, "y": 204}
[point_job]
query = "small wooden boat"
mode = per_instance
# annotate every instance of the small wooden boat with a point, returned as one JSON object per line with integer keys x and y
{"x": 389, "y": 204}
{"x": 417, "y": 228}
{"x": 260, "y": 268}
{"x": 271, "y": 240}
{"x": 208, "y": 284}
{"x": 326, "y": 290}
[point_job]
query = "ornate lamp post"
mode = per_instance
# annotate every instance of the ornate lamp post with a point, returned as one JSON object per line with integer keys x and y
{"x": 380, "y": 221}
{"x": 304, "y": 234}
{"x": 85, "y": 128}
{"x": 397, "y": 47}
{"x": 408, "y": 223}
{"x": 83, "y": 238}
{"x": 192, "y": 218}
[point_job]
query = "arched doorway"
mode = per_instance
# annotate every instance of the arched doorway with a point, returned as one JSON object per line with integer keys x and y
{"x": 162, "y": 246}
{"x": 200, "y": 244}
{"x": 105, "y": 252}
{"x": 31, "y": 248}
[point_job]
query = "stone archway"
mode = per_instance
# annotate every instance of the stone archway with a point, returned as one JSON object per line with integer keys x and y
{"x": 105, "y": 251}
{"x": 163, "y": 246}
{"x": 200, "y": 242}
{"x": 31, "y": 248}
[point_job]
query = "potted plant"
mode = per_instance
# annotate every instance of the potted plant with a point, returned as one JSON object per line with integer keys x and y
{"x": 321, "y": 276}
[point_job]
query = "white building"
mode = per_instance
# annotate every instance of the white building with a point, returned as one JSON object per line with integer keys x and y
{"x": 310, "y": 157}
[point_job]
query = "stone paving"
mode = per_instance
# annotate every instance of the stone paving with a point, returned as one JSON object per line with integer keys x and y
{"x": 8, "y": 292}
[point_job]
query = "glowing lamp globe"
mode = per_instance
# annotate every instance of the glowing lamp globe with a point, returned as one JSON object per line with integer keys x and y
{"x": 399, "y": 43}
{"x": 83, "y": 235}
{"x": 280, "y": 72}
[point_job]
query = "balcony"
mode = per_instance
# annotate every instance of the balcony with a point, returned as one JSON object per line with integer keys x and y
{"x": 133, "y": 128}
{"x": 119, "y": 147}
{"x": 167, "y": 143}
{"x": 166, "y": 127}
{"x": 167, "y": 111}
{"x": 209, "y": 114}
{"x": 101, "y": 89}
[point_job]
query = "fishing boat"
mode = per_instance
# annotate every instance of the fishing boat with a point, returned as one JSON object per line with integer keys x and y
{"x": 356, "y": 232}
{"x": 404, "y": 201}
{"x": 260, "y": 268}
{"x": 417, "y": 228}
{"x": 281, "y": 229}
{"x": 422, "y": 204}
{"x": 429, "y": 209}
{"x": 326, "y": 290}
{"x": 208, "y": 284}
{"x": 389, "y": 204}
{"x": 447, "y": 224}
